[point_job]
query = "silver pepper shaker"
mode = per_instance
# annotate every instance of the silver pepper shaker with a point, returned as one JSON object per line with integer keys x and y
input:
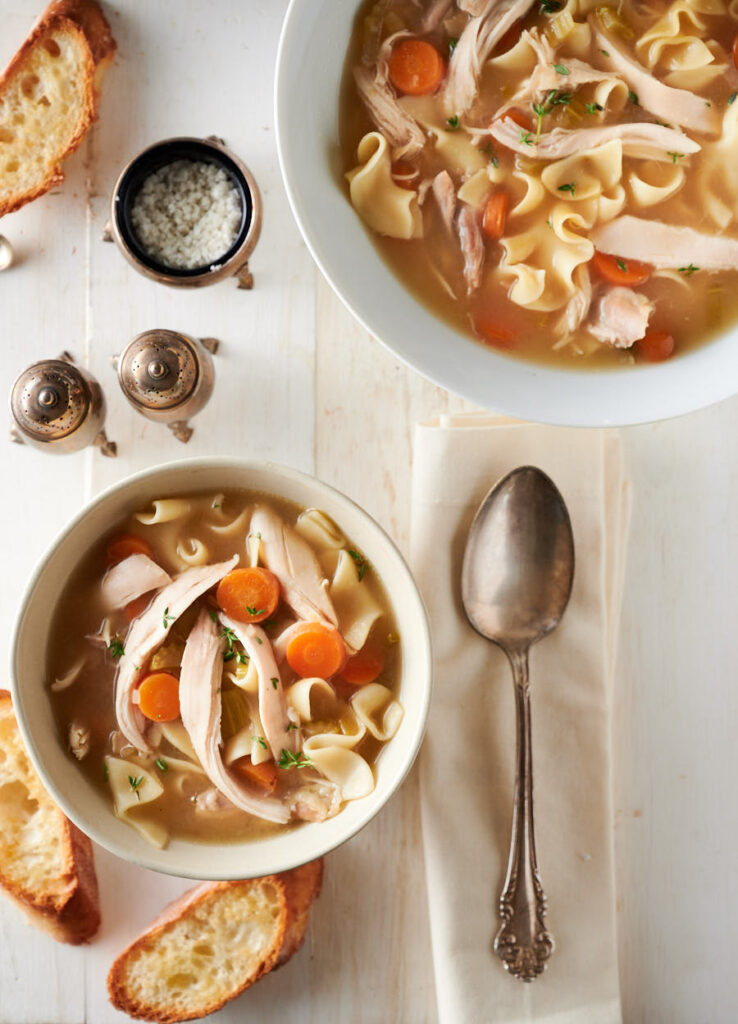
{"x": 58, "y": 407}
{"x": 167, "y": 377}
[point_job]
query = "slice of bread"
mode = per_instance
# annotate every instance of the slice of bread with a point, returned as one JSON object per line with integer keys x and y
{"x": 48, "y": 98}
{"x": 211, "y": 944}
{"x": 46, "y": 863}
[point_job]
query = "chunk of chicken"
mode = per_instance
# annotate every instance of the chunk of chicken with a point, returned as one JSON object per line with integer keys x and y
{"x": 79, "y": 740}
{"x": 620, "y": 316}
{"x": 665, "y": 245}
{"x": 472, "y": 246}
{"x": 316, "y": 801}
{"x": 577, "y": 308}
{"x": 445, "y": 195}
{"x": 640, "y": 139}
{"x": 149, "y": 631}
{"x": 675, "y": 106}
{"x": 129, "y": 579}
{"x": 200, "y": 704}
{"x": 475, "y": 46}
{"x": 293, "y": 562}
{"x": 436, "y": 12}
{"x": 402, "y": 132}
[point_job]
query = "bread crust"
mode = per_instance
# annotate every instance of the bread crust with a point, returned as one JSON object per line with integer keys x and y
{"x": 177, "y": 909}
{"x": 85, "y": 21}
{"x": 303, "y": 886}
{"x": 72, "y": 913}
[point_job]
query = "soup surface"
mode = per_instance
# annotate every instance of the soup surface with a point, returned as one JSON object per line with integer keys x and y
{"x": 225, "y": 666}
{"x": 556, "y": 179}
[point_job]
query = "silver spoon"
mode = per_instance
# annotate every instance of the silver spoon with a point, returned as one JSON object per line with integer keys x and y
{"x": 515, "y": 584}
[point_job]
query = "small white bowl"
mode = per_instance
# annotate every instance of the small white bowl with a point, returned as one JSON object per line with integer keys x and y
{"x": 89, "y": 808}
{"x": 310, "y": 62}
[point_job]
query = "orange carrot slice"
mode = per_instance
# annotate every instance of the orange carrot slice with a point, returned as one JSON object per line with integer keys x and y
{"x": 137, "y": 607}
{"x": 124, "y": 546}
{"x": 495, "y": 215}
{"x": 656, "y": 346}
{"x": 415, "y": 67}
{"x": 489, "y": 327}
{"x": 158, "y": 697}
{"x": 619, "y": 271}
{"x": 316, "y": 650}
{"x": 248, "y": 595}
{"x": 264, "y": 774}
{"x": 363, "y": 667}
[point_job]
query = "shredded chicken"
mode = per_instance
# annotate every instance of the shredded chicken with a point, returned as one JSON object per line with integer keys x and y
{"x": 279, "y": 731}
{"x": 316, "y": 801}
{"x": 149, "y": 631}
{"x": 577, "y": 308}
{"x": 620, "y": 316}
{"x": 445, "y": 195}
{"x": 79, "y": 740}
{"x": 475, "y": 46}
{"x": 665, "y": 245}
{"x": 640, "y": 139}
{"x": 436, "y": 12}
{"x": 473, "y": 7}
{"x": 293, "y": 562}
{"x": 200, "y": 703}
{"x": 212, "y": 801}
{"x": 675, "y": 106}
{"x": 472, "y": 246}
{"x": 402, "y": 132}
{"x": 129, "y": 579}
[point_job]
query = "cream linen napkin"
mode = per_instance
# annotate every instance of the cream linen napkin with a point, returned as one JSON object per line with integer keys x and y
{"x": 466, "y": 765}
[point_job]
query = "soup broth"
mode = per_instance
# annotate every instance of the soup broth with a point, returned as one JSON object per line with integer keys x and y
{"x": 239, "y": 733}
{"x": 573, "y": 203}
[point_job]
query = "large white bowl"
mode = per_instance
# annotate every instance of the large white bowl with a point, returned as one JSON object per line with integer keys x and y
{"x": 87, "y": 806}
{"x": 309, "y": 67}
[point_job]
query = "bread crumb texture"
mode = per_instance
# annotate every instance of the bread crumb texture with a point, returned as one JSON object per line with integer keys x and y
{"x": 202, "y": 953}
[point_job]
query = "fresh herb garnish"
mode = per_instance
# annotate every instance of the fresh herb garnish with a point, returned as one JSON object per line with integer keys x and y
{"x": 167, "y": 618}
{"x": 258, "y": 640}
{"x": 553, "y": 99}
{"x": 550, "y": 6}
{"x": 452, "y": 43}
{"x": 561, "y": 69}
{"x": 275, "y": 682}
{"x": 243, "y": 658}
{"x": 213, "y": 616}
{"x": 116, "y": 648}
{"x": 261, "y": 741}
{"x": 674, "y": 156}
{"x": 229, "y": 656}
{"x": 731, "y": 98}
{"x": 106, "y": 772}
{"x": 361, "y": 563}
{"x": 605, "y": 53}
{"x": 707, "y": 103}
{"x": 290, "y": 727}
{"x": 691, "y": 269}
{"x": 593, "y": 108}
{"x": 161, "y": 764}
{"x": 633, "y": 97}
{"x": 568, "y": 187}
{"x": 525, "y": 138}
{"x": 452, "y": 123}
{"x": 216, "y": 504}
{"x": 288, "y": 760}
{"x": 135, "y": 783}
{"x": 254, "y": 611}
{"x": 621, "y": 265}
{"x": 229, "y": 636}
{"x": 491, "y": 154}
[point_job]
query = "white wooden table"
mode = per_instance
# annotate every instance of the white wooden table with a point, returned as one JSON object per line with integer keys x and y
{"x": 299, "y": 381}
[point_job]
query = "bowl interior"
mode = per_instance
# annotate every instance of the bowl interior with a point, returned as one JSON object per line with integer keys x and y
{"x": 151, "y": 160}
{"x": 86, "y": 806}
{"x": 312, "y": 51}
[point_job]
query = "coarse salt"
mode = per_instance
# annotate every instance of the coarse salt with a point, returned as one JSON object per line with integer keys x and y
{"x": 187, "y": 214}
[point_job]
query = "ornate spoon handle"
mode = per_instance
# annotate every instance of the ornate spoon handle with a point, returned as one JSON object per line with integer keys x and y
{"x": 523, "y": 943}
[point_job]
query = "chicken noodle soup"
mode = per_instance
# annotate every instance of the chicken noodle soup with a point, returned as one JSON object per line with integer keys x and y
{"x": 225, "y": 666}
{"x": 556, "y": 178}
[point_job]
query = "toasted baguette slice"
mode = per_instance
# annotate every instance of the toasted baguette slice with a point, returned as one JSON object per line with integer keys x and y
{"x": 48, "y": 99}
{"x": 46, "y": 863}
{"x": 211, "y": 944}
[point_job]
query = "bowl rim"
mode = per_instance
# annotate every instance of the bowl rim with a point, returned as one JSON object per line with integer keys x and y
{"x": 424, "y": 644}
{"x": 535, "y": 392}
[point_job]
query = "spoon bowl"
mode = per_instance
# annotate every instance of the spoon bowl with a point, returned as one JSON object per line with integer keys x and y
{"x": 515, "y": 585}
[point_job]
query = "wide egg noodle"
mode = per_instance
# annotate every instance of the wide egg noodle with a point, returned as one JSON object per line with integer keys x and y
{"x": 653, "y": 182}
{"x": 382, "y": 204}
{"x": 333, "y": 757}
{"x": 355, "y": 606}
{"x": 319, "y": 529}
{"x": 126, "y": 799}
{"x": 453, "y": 146}
{"x": 304, "y": 695}
{"x": 715, "y": 174}
{"x": 675, "y": 41}
{"x": 192, "y": 551}
{"x": 375, "y": 707}
{"x": 164, "y": 510}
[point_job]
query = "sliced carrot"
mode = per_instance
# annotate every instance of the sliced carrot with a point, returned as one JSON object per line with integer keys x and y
{"x": 264, "y": 774}
{"x": 405, "y": 174}
{"x": 364, "y": 666}
{"x": 619, "y": 271}
{"x": 316, "y": 650}
{"x": 656, "y": 346}
{"x": 735, "y": 51}
{"x": 137, "y": 607}
{"x": 125, "y": 546}
{"x": 521, "y": 119}
{"x": 489, "y": 327}
{"x": 158, "y": 697}
{"x": 495, "y": 215}
{"x": 416, "y": 67}
{"x": 248, "y": 595}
